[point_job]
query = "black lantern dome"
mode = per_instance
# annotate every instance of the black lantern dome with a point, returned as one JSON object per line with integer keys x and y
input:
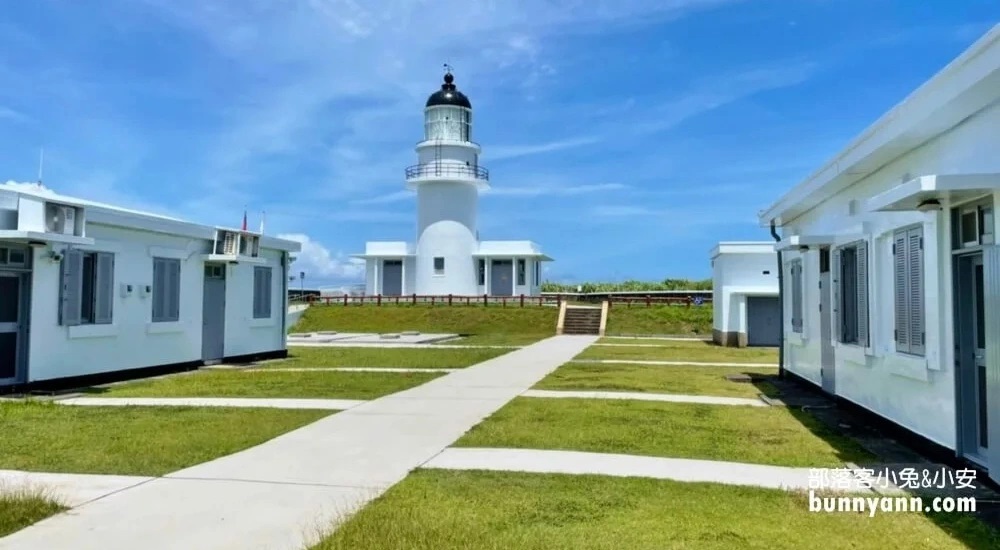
{"x": 448, "y": 94}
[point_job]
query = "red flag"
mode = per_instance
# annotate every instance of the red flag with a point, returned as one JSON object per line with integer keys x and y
{"x": 244, "y": 220}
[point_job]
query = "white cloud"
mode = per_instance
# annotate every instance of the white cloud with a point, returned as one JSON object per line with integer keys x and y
{"x": 556, "y": 190}
{"x": 319, "y": 264}
{"x": 502, "y": 152}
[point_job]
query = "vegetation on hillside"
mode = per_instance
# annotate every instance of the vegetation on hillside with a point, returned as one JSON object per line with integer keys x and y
{"x": 475, "y": 319}
{"x": 659, "y": 320}
{"x": 630, "y": 286}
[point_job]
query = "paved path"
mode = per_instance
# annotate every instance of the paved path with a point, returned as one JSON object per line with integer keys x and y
{"x": 277, "y": 495}
{"x": 672, "y": 363}
{"x": 248, "y": 402}
{"x": 672, "y": 338}
{"x": 70, "y": 490}
{"x": 661, "y": 346}
{"x": 641, "y": 396}
{"x": 679, "y": 469}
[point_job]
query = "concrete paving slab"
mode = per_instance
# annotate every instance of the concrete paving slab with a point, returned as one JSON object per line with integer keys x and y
{"x": 678, "y": 469}
{"x": 247, "y": 402}
{"x": 185, "y": 514}
{"x": 261, "y": 497}
{"x": 674, "y": 338}
{"x": 640, "y": 396}
{"x": 319, "y": 343}
{"x": 405, "y": 337}
{"x": 672, "y": 363}
{"x": 70, "y": 490}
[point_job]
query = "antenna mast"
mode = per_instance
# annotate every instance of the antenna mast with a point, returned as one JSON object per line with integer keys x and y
{"x": 41, "y": 164}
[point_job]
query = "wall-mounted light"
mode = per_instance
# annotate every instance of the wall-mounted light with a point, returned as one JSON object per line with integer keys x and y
{"x": 54, "y": 256}
{"x": 929, "y": 205}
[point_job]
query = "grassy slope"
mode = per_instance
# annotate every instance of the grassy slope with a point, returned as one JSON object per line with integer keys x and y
{"x": 702, "y": 352}
{"x": 775, "y": 436}
{"x": 645, "y": 378}
{"x": 271, "y": 383}
{"x": 492, "y": 319}
{"x": 21, "y": 508}
{"x": 45, "y": 437}
{"x": 442, "y": 358}
{"x": 435, "y": 509}
{"x": 659, "y": 320}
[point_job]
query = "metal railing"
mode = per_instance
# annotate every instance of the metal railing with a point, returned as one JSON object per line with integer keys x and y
{"x": 442, "y": 169}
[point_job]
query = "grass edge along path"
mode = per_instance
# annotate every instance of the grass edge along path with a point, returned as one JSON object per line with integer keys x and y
{"x": 150, "y": 441}
{"x": 21, "y": 507}
{"x": 657, "y": 379}
{"x": 411, "y": 358}
{"x": 458, "y": 319}
{"x": 774, "y": 435}
{"x": 476, "y": 510}
{"x": 270, "y": 383}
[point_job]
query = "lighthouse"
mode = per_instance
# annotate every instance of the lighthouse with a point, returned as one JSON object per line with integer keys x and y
{"x": 447, "y": 257}
{"x": 447, "y": 179}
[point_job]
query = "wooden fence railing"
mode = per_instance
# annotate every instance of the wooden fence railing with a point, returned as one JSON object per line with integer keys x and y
{"x": 485, "y": 300}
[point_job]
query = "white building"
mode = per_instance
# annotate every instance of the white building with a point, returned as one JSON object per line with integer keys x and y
{"x": 89, "y": 289}
{"x": 745, "y": 307}
{"x": 892, "y": 274}
{"x": 448, "y": 257}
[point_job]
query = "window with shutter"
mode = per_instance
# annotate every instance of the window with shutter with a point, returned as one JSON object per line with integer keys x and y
{"x": 864, "y": 337}
{"x": 261, "y": 292}
{"x": 104, "y": 288}
{"x": 851, "y": 294}
{"x": 86, "y": 295}
{"x": 908, "y": 261}
{"x": 71, "y": 290}
{"x": 166, "y": 290}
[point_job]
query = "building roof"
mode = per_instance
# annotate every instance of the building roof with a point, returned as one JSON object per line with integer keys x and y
{"x": 743, "y": 247}
{"x": 107, "y": 214}
{"x": 964, "y": 87}
{"x": 448, "y": 95}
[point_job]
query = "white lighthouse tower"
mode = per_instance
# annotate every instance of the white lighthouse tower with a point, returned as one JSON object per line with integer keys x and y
{"x": 447, "y": 178}
{"x": 448, "y": 258}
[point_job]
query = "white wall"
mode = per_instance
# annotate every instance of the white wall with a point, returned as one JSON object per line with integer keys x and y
{"x": 446, "y": 224}
{"x": 735, "y": 275}
{"x": 132, "y": 340}
{"x": 917, "y": 393}
{"x": 244, "y": 334}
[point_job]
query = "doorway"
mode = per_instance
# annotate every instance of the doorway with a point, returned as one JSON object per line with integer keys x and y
{"x": 13, "y": 327}
{"x": 763, "y": 328}
{"x": 828, "y": 363}
{"x": 392, "y": 278}
{"x": 502, "y": 278}
{"x": 213, "y": 314}
{"x": 970, "y": 349}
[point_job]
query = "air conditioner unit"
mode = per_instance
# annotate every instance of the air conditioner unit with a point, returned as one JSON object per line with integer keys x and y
{"x": 60, "y": 219}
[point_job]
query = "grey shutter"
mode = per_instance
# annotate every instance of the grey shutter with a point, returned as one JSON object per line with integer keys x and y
{"x": 862, "y": 290}
{"x": 256, "y": 293}
{"x": 266, "y": 290}
{"x": 104, "y": 288}
{"x": 158, "y": 290}
{"x": 915, "y": 289}
{"x": 836, "y": 301}
{"x": 902, "y": 332}
{"x": 174, "y": 293}
{"x": 797, "y": 296}
{"x": 71, "y": 289}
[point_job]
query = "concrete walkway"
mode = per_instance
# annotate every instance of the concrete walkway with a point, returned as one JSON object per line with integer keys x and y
{"x": 279, "y": 494}
{"x": 672, "y": 363}
{"x": 244, "y": 402}
{"x": 641, "y": 396}
{"x": 670, "y": 338}
{"x": 300, "y": 344}
{"x": 678, "y": 469}
{"x": 70, "y": 490}
{"x": 662, "y": 346}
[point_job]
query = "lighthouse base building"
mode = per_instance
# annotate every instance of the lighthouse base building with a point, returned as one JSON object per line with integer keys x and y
{"x": 447, "y": 256}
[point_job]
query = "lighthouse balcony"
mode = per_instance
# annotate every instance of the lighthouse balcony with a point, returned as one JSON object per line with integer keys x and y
{"x": 437, "y": 171}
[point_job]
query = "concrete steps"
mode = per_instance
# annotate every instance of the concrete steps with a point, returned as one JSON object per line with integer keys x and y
{"x": 582, "y": 320}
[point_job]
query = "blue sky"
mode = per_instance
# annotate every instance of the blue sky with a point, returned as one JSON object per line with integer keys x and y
{"x": 627, "y": 137}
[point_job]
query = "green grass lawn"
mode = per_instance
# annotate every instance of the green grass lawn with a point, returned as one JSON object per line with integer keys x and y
{"x": 702, "y": 352}
{"x": 473, "y": 319}
{"x": 776, "y": 436}
{"x": 45, "y": 437}
{"x": 410, "y": 358}
{"x": 646, "y": 378}
{"x": 271, "y": 383}
{"x": 435, "y": 509}
{"x": 497, "y": 340}
{"x": 20, "y": 508}
{"x": 659, "y": 320}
